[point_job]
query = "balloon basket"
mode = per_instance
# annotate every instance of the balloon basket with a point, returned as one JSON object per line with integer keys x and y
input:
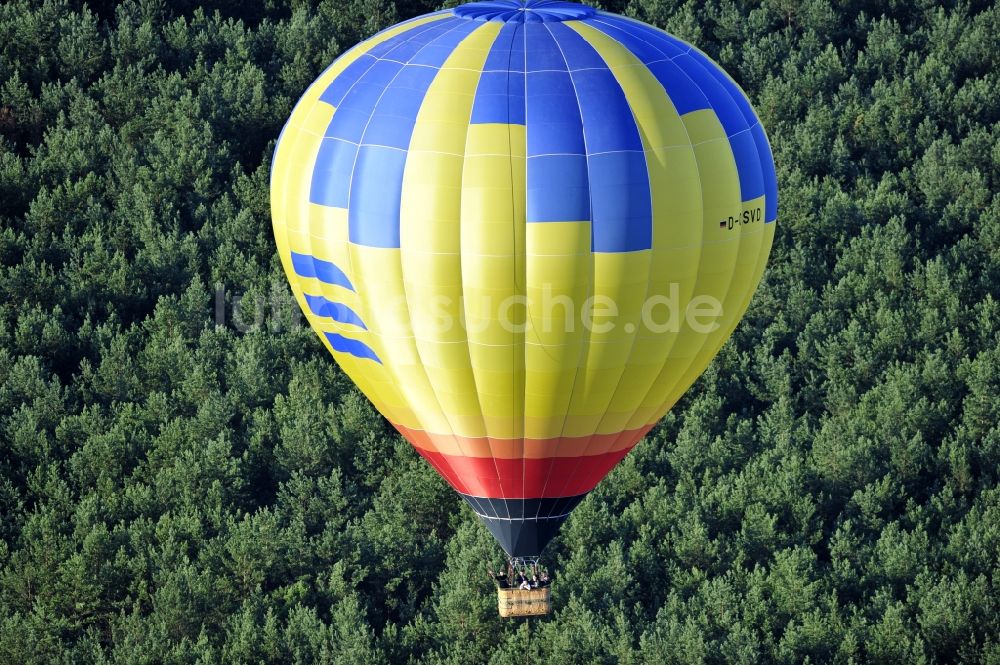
{"x": 524, "y": 602}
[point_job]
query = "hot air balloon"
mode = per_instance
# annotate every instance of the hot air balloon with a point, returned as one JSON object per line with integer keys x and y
{"x": 523, "y": 228}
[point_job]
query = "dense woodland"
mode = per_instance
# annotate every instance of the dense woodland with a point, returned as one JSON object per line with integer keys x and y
{"x": 184, "y": 480}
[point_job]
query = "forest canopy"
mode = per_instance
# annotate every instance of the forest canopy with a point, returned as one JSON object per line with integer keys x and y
{"x": 186, "y": 476}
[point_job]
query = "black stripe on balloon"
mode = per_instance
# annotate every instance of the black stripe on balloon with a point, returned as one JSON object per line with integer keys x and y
{"x": 522, "y": 509}
{"x": 523, "y": 527}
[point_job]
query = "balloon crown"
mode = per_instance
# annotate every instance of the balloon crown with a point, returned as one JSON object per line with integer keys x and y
{"x": 524, "y": 11}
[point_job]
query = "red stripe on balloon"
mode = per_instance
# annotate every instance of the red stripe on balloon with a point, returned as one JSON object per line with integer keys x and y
{"x": 523, "y": 478}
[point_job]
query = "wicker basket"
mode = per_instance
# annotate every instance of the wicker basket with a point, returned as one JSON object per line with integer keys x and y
{"x": 524, "y": 602}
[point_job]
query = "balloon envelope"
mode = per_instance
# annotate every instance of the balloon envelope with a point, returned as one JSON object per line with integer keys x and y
{"x": 523, "y": 229}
